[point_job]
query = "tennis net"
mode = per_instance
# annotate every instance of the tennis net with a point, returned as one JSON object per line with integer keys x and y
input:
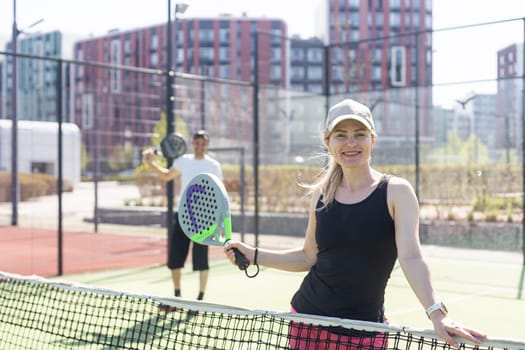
{"x": 40, "y": 314}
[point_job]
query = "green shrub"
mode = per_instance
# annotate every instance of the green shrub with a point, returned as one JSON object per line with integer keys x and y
{"x": 480, "y": 188}
{"x": 30, "y": 186}
{"x": 485, "y": 204}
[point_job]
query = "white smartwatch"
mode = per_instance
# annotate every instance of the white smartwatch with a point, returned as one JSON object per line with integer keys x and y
{"x": 437, "y": 306}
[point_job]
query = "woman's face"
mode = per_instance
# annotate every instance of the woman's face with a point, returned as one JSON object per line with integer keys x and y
{"x": 351, "y": 144}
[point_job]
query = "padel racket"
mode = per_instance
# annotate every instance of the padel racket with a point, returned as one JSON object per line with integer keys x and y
{"x": 172, "y": 146}
{"x": 204, "y": 214}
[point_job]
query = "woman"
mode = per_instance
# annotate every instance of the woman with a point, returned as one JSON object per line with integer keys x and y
{"x": 360, "y": 222}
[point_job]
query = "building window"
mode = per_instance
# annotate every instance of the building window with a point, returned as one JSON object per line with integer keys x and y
{"x": 351, "y": 54}
{"x": 224, "y": 53}
{"x": 224, "y": 71}
{"x": 376, "y": 73}
{"x": 297, "y": 54}
{"x": 154, "y": 42}
{"x": 206, "y": 53}
{"x": 377, "y": 55}
{"x": 87, "y": 111}
{"x": 337, "y": 73}
{"x": 115, "y": 59}
{"x": 275, "y": 72}
{"x": 395, "y": 20}
{"x": 297, "y": 73}
{"x": 395, "y": 4}
{"x": 416, "y": 21}
{"x": 337, "y": 54}
{"x": 342, "y": 36}
{"x": 398, "y": 66}
{"x": 354, "y": 35}
{"x": 314, "y": 55}
{"x": 342, "y": 19}
{"x": 205, "y": 35}
{"x": 276, "y": 54}
{"x": 314, "y": 73}
{"x": 428, "y": 21}
{"x": 379, "y": 19}
{"x": 224, "y": 35}
{"x": 154, "y": 59}
{"x": 354, "y": 19}
{"x": 276, "y": 36}
{"x": 179, "y": 57}
{"x": 127, "y": 47}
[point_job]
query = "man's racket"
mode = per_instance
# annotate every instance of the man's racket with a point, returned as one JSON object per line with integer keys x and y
{"x": 204, "y": 215}
{"x": 172, "y": 146}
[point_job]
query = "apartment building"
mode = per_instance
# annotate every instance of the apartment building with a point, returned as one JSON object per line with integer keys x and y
{"x": 125, "y": 103}
{"x": 37, "y": 79}
{"x": 509, "y": 98}
{"x": 381, "y": 52}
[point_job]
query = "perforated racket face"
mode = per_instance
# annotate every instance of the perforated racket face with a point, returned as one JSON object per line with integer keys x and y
{"x": 204, "y": 213}
{"x": 173, "y": 146}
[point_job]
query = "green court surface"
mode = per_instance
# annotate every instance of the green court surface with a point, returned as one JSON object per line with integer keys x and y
{"x": 480, "y": 289}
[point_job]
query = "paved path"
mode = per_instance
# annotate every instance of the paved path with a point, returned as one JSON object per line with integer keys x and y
{"x": 76, "y": 205}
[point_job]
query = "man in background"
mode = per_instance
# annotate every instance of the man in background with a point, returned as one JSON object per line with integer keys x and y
{"x": 185, "y": 168}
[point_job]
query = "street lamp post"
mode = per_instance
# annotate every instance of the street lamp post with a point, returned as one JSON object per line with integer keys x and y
{"x": 14, "y": 118}
{"x": 14, "y": 125}
{"x": 170, "y": 101}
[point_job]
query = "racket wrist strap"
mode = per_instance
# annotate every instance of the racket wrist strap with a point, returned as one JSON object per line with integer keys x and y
{"x": 254, "y": 264}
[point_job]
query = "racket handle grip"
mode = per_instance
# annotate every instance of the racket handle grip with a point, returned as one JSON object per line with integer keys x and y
{"x": 241, "y": 260}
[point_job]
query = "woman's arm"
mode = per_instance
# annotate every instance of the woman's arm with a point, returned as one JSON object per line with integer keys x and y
{"x": 295, "y": 260}
{"x": 404, "y": 208}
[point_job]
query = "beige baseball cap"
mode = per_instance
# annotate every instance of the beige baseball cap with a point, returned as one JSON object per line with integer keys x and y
{"x": 349, "y": 109}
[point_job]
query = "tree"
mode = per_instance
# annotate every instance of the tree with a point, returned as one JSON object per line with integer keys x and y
{"x": 456, "y": 151}
{"x": 83, "y": 158}
{"x": 120, "y": 158}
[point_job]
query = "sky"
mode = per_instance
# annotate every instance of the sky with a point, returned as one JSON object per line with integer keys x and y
{"x": 456, "y": 53}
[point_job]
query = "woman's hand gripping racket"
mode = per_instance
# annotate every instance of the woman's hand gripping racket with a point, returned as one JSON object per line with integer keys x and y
{"x": 204, "y": 214}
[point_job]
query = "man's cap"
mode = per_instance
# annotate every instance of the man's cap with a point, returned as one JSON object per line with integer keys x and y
{"x": 349, "y": 110}
{"x": 201, "y": 134}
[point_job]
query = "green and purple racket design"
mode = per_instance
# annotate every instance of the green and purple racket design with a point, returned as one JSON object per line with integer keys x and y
{"x": 204, "y": 214}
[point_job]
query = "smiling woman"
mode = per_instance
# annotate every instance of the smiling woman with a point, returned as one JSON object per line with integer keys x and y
{"x": 360, "y": 222}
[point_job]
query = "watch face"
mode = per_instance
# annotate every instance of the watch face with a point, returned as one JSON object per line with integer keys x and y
{"x": 444, "y": 308}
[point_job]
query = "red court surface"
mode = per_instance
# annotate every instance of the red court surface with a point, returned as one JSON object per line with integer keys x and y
{"x": 33, "y": 251}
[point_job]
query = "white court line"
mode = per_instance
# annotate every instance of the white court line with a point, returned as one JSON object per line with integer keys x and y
{"x": 449, "y": 301}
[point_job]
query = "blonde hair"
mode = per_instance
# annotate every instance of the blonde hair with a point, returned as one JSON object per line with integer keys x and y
{"x": 329, "y": 177}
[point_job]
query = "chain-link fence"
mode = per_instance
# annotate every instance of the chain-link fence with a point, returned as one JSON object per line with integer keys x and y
{"x": 457, "y": 138}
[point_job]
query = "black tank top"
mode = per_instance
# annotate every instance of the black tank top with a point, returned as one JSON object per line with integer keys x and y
{"x": 356, "y": 254}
